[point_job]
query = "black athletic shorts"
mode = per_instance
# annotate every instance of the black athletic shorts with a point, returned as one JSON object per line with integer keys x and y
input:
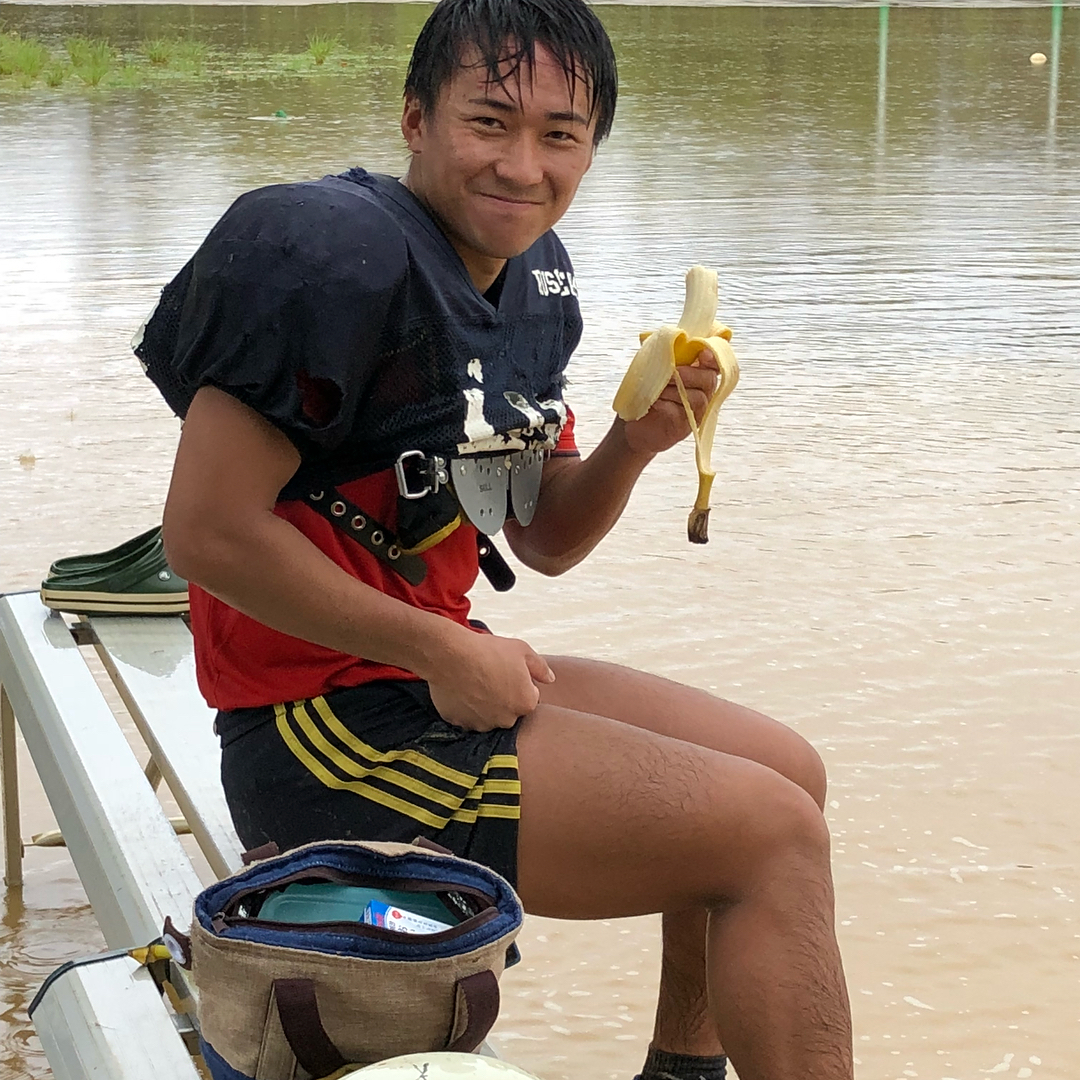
{"x": 372, "y": 762}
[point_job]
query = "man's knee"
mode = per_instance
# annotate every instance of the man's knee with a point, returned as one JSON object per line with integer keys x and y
{"x": 783, "y": 835}
{"x": 811, "y": 775}
{"x": 792, "y": 756}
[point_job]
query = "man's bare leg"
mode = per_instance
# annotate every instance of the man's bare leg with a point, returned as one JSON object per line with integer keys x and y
{"x": 684, "y": 1023}
{"x": 686, "y": 713}
{"x": 684, "y": 1019}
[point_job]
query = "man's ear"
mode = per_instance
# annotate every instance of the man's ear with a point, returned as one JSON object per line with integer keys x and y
{"x": 412, "y": 123}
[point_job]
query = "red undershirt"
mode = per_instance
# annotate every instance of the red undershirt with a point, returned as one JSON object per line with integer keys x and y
{"x": 241, "y": 663}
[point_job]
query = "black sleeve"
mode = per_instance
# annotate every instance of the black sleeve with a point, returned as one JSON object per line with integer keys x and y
{"x": 284, "y": 307}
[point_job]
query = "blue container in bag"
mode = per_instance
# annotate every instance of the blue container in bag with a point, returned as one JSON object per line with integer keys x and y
{"x": 326, "y": 902}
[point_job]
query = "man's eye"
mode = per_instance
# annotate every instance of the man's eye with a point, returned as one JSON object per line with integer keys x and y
{"x": 562, "y": 136}
{"x": 487, "y": 121}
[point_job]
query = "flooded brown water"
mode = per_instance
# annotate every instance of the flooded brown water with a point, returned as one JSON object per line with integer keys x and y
{"x": 895, "y": 565}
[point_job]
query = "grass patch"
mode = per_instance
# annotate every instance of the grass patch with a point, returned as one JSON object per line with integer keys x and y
{"x": 84, "y": 62}
{"x": 93, "y": 71}
{"x": 191, "y": 55}
{"x": 23, "y": 57}
{"x": 30, "y": 57}
{"x": 158, "y": 51}
{"x": 320, "y": 46}
{"x": 129, "y": 75}
{"x": 55, "y": 73}
{"x": 88, "y": 52}
{"x": 8, "y": 43}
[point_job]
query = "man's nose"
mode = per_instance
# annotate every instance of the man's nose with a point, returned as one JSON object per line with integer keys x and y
{"x": 521, "y": 162}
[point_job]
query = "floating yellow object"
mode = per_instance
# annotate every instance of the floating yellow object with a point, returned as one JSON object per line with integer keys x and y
{"x": 147, "y": 954}
{"x": 1038, "y": 58}
{"x": 658, "y": 360}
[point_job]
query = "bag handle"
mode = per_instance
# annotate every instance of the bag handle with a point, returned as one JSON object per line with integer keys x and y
{"x": 269, "y": 850}
{"x": 476, "y": 1002}
{"x": 298, "y": 1011}
{"x": 477, "y": 996}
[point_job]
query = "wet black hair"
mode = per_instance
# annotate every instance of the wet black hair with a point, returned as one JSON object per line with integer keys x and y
{"x": 510, "y": 30}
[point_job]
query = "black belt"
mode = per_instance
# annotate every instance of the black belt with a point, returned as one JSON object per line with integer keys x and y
{"x": 367, "y": 532}
{"x": 384, "y": 545}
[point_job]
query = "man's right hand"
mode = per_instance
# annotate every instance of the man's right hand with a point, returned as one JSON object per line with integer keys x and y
{"x": 491, "y": 683}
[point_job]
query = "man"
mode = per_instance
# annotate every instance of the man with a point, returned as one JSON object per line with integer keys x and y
{"x": 342, "y": 349}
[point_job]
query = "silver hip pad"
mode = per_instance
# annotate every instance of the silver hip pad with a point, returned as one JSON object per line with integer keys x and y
{"x": 481, "y": 485}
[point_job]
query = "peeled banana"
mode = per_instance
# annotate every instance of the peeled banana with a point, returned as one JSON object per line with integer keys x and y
{"x": 661, "y": 355}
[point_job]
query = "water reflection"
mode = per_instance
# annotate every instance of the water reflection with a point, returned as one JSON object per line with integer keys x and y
{"x": 883, "y": 73}
{"x": 895, "y": 559}
{"x": 1057, "y": 18}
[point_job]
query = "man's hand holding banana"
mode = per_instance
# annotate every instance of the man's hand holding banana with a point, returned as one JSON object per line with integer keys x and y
{"x": 666, "y": 424}
{"x": 693, "y": 366}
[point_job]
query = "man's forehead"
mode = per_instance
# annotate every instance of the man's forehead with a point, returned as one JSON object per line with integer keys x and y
{"x": 519, "y": 79}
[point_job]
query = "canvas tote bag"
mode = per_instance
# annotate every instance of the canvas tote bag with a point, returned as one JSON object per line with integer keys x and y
{"x": 289, "y": 1001}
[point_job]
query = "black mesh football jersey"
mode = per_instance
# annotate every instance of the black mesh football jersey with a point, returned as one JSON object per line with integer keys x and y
{"x": 338, "y": 310}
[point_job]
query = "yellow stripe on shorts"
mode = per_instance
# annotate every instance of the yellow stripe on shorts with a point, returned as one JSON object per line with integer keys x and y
{"x": 378, "y": 757}
{"x": 357, "y": 787}
{"x": 327, "y": 752}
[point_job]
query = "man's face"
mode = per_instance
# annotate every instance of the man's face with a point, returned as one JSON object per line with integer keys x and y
{"x": 498, "y": 165}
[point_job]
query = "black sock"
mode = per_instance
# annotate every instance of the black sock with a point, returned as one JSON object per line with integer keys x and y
{"x": 660, "y": 1065}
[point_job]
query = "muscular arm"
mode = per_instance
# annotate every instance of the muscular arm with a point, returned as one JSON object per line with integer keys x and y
{"x": 562, "y": 533}
{"x": 581, "y": 499}
{"x": 221, "y": 533}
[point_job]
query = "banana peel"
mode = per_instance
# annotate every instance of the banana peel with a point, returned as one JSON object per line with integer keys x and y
{"x": 657, "y": 362}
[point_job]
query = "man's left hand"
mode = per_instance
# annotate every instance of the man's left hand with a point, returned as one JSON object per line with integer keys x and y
{"x": 665, "y": 424}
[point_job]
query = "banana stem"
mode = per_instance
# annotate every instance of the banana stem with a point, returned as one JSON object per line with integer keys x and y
{"x": 697, "y": 528}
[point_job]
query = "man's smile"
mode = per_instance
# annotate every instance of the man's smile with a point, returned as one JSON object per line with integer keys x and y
{"x": 511, "y": 200}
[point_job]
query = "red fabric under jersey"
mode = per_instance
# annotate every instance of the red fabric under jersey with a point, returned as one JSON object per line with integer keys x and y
{"x": 241, "y": 664}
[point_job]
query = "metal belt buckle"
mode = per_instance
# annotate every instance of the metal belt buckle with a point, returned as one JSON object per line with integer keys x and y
{"x": 432, "y": 471}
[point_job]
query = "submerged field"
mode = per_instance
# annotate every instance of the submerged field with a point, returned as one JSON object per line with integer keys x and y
{"x": 895, "y": 562}
{"x": 80, "y": 62}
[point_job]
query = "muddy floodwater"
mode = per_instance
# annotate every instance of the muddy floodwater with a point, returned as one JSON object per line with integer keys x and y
{"x": 893, "y": 204}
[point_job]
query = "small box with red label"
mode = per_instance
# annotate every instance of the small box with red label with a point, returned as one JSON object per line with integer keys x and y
{"x": 405, "y": 922}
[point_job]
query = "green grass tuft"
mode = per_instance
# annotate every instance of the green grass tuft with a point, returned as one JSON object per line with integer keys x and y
{"x": 158, "y": 51}
{"x": 86, "y": 52}
{"x": 322, "y": 45}
{"x": 8, "y": 45}
{"x": 93, "y": 70}
{"x": 191, "y": 55}
{"x": 24, "y": 57}
{"x": 55, "y": 73}
{"x": 29, "y": 57}
{"x": 128, "y": 75}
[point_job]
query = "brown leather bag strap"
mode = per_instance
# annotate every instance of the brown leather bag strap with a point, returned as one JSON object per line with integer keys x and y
{"x": 300, "y": 1021}
{"x": 269, "y": 850}
{"x": 430, "y": 845}
{"x": 478, "y": 995}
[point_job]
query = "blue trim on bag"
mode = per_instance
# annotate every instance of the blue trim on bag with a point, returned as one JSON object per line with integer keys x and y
{"x": 449, "y": 873}
{"x": 219, "y": 1068}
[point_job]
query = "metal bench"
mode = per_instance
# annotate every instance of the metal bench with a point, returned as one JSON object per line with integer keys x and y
{"x": 107, "y": 1019}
